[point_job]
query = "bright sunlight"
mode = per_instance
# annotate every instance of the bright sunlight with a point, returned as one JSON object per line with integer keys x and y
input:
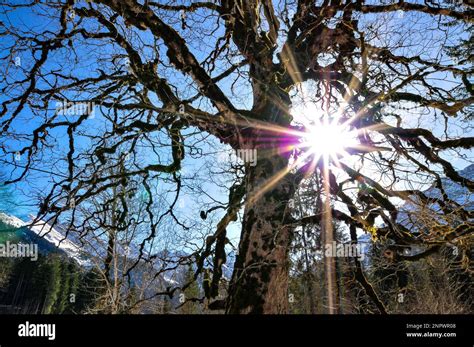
{"x": 328, "y": 139}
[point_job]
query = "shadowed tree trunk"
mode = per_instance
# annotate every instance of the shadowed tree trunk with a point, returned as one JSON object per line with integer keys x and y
{"x": 260, "y": 279}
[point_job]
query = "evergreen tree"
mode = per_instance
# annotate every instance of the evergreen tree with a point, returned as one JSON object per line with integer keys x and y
{"x": 69, "y": 273}
{"x": 89, "y": 292}
{"x": 193, "y": 291}
{"x": 53, "y": 283}
{"x": 6, "y": 268}
{"x": 74, "y": 283}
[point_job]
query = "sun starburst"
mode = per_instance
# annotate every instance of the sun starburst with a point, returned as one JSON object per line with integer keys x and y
{"x": 328, "y": 139}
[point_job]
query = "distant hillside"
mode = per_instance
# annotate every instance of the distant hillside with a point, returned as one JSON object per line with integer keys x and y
{"x": 408, "y": 212}
{"x": 413, "y": 218}
{"x": 88, "y": 251}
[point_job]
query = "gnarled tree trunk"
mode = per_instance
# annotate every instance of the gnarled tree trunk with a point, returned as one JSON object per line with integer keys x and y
{"x": 260, "y": 279}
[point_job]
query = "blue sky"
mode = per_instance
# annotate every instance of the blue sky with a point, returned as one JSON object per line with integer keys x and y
{"x": 39, "y": 182}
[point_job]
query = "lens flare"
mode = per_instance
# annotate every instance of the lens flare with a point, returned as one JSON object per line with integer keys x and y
{"x": 328, "y": 139}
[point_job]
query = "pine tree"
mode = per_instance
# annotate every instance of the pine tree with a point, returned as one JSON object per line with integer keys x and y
{"x": 193, "y": 291}
{"x": 74, "y": 272}
{"x": 53, "y": 281}
{"x": 6, "y": 269}
{"x": 68, "y": 273}
{"x": 89, "y": 292}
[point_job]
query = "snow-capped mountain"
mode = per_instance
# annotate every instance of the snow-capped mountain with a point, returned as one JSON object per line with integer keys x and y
{"x": 456, "y": 191}
{"x": 59, "y": 240}
{"x": 412, "y": 218}
{"x": 415, "y": 215}
{"x": 86, "y": 250}
{"x": 11, "y": 220}
{"x": 83, "y": 249}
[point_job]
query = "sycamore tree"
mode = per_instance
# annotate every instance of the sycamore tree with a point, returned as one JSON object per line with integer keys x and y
{"x": 373, "y": 96}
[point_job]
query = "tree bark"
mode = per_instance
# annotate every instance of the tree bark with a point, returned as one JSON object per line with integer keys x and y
{"x": 260, "y": 279}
